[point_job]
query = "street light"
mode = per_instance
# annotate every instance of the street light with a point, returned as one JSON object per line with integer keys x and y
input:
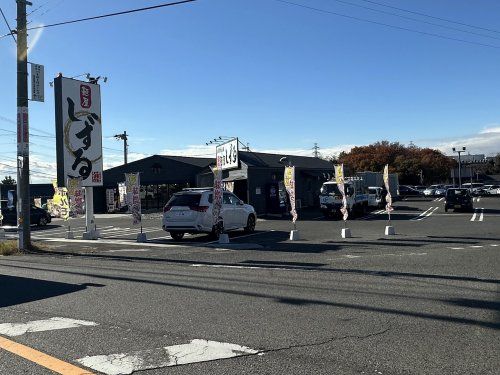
{"x": 459, "y": 164}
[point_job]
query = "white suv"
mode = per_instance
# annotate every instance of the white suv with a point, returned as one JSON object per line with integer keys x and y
{"x": 190, "y": 211}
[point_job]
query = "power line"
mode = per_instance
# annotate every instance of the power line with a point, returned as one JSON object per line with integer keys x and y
{"x": 428, "y": 15}
{"x": 386, "y": 24}
{"x": 7, "y": 23}
{"x": 417, "y": 20}
{"x": 107, "y": 15}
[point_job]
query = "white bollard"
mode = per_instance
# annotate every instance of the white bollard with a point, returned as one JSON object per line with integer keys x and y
{"x": 90, "y": 235}
{"x": 294, "y": 235}
{"x": 346, "y": 233}
{"x": 223, "y": 238}
{"x": 389, "y": 230}
{"x": 141, "y": 237}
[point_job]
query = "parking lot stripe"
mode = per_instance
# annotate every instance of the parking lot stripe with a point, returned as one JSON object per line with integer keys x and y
{"x": 476, "y": 246}
{"x": 18, "y": 329}
{"x": 196, "y": 351}
{"x": 474, "y": 215}
{"x": 481, "y": 215}
{"x": 41, "y": 359}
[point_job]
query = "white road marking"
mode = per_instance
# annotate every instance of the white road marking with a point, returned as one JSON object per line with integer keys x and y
{"x": 352, "y": 256}
{"x": 478, "y": 199}
{"x": 125, "y": 242}
{"x": 494, "y": 245}
{"x": 243, "y": 236}
{"x": 422, "y": 214}
{"x": 481, "y": 216}
{"x": 125, "y": 250}
{"x": 476, "y": 246}
{"x": 456, "y": 248}
{"x": 196, "y": 351}
{"x": 18, "y": 329}
{"x": 426, "y": 214}
{"x": 474, "y": 216}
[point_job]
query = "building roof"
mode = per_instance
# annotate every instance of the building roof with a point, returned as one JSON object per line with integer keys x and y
{"x": 260, "y": 159}
{"x": 159, "y": 169}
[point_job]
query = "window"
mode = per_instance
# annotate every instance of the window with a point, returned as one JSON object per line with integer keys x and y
{"x": 226, "y": 199}
{"x": 234, "y": 200}
{"x": 185, "y": 200}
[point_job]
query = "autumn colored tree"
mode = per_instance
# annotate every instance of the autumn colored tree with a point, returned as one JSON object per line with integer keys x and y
{"x": 408, "y": 161}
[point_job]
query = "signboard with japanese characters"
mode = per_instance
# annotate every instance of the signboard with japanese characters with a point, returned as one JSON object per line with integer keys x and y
{"x": 76, "y": 196}
{"x": 110, "y": 200}
{"x": 122, "y": 195}
{"x": 22, "y": 132}
{"x": 289, "y": 180}
{"x": 78, "y": 131}
{"x": 37, "y": 88}
{"x": 228, "y": 155}
{"x": 132, "y": 183}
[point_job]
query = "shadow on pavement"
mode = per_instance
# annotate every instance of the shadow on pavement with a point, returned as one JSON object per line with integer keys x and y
{"x": 16, "y": 290}
{"x": 309, "y": 301}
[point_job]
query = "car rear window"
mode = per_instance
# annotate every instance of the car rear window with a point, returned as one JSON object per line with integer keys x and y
{"x": 185, "y": 200}
{"x": 456, "y": 192}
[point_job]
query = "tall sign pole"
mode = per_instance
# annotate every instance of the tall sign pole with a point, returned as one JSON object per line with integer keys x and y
{"x": 23, "y": 172}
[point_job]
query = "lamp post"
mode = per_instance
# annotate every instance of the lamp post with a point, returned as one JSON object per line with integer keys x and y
{"x": 459, "y": 152}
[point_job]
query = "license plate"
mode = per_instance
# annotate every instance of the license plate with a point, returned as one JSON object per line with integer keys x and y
{"x": 457, "y": 206}
{"x": 178, "y": 213}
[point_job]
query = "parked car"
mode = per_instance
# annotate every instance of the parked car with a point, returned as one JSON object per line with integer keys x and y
{"x": 405, "y": 191}
{"x": 442, "y": 190}
{"x": 38, "y": 216}
{"x": 458, "y": 198}
{"x": 475, "y": 187}
{"x": 190, "y": 211}
{"x": 431, "y": 190}
{"x": 420, "y": 188}
{"x": 490, "y": 190}
{"x": 375, "y": 198}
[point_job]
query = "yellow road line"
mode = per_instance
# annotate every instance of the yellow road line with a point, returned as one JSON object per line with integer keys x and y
{"x": 41, "y": 359}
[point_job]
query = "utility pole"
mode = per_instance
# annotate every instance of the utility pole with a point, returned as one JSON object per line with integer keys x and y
{"x": 459, "y": 165}
{"x": 316, "y": 150}
{"x": 23, "y": 170}
{"x": 123, "y": 137}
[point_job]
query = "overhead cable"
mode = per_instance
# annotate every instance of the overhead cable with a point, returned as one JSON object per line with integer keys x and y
{"x": 386, "y": 24}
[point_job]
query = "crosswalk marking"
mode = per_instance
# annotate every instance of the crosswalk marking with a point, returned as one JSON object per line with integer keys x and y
{"x": 477, "y": 211}
{"x": 197, "y": 350}
{"x": 18, "y": 329}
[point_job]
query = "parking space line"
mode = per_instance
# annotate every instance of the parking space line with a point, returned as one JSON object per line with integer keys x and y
{"x": 481, "y": 216}
{"x": 41, "y": 359}
{"x": 245, "y": 235}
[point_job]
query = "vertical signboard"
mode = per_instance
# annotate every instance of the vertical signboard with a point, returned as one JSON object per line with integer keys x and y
{"x": 110, "y": 200}
{"x": 22, "y": 131}
{"x": 289, "y": 180}
{"x": 37, "y": 89}
{"x": 78, "y": 131}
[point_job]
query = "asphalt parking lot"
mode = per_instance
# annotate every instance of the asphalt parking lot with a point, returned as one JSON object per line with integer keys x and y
{"x": 425, "y": 301}
{"x": 412, "y": 218}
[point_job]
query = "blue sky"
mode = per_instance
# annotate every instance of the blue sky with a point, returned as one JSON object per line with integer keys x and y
{"x": 278, "y": 76}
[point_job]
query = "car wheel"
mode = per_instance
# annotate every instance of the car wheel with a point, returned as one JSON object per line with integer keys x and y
{"x": 42, "y": 221}
{"x": 177, "y": 236}
{"x": 250, "y": 228}
{"x": 445, "y": 209}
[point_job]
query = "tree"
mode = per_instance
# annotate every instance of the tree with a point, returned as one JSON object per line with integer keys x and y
{"x": 409, "y": 162}
{"x": 8, "y": 181}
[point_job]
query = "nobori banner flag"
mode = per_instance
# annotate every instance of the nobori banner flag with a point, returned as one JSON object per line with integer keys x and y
{"x": 339, "y": 179}
{"x": 289, "y": 180}
{"x": 76, "y": 196}
{"x": 217, "y": 195}
{"x": 388, "y": 197}
{"x": 78, "y": 131}
{"x": 132, "y": 183}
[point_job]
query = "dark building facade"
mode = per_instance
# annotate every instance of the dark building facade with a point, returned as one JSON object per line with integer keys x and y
{"x": 160, "y": 177}
{"x": 259, "y": 180}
